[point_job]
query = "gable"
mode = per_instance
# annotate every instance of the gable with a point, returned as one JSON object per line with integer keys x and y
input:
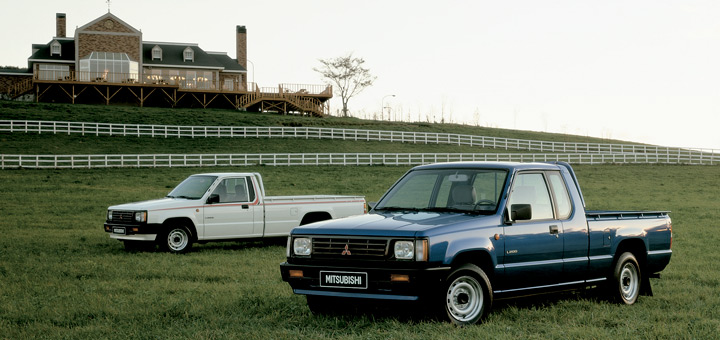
{"x": 108, "y": 23}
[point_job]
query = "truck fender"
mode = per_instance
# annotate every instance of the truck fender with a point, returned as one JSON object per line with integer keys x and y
{"x": 187, "y": 221}
{"x": 478, "y": 257}
{"x": 476, "y": 250}
{"x": 638, "y": 248}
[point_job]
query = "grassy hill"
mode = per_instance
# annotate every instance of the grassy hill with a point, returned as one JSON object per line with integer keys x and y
{"x": 198, "y": 117}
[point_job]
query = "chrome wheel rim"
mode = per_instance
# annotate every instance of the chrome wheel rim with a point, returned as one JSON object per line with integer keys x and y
{"x": 177, "y": 240}
{"x": 464, "y": 299}
{"x": 629, "y": 282}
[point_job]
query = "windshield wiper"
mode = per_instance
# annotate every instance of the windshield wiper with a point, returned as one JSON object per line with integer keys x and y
{"x": 462, "y": 211}
{"x": 182, "y": 196}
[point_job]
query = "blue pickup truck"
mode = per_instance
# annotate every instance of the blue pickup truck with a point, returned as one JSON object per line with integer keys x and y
{"x": 455, "y": 236}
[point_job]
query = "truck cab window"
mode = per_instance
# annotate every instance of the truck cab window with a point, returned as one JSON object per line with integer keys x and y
{"x": 531, "y": 189}
{"x": 560, "y": 195}
{"x": 233, "y": 190}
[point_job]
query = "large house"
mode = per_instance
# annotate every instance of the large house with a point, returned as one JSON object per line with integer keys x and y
{"x": 108, "y": 62}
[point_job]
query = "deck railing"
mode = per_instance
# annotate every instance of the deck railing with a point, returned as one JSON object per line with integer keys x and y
{"x": 702, "y": 156}
{"x": 298, "y": 159}
{"x": 184, "y": 82}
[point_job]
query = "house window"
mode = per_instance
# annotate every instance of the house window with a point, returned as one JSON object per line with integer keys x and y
{"x": 228, "y": 84}
{"x": 108, "y": 67}
{"x": 188, "y": 54}
{"x": 53, "y": 72}
{"x": 157, "y": 53}
{"x": 55, "y": 48}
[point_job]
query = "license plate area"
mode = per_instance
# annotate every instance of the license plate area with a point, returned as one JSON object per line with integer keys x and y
{"x": 349, "y": 280}
{"x": 119, "y": 230}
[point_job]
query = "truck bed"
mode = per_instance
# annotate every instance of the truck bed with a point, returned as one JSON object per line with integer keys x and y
{"x": 311, "y": 199}
{"x": 623, "y": 214}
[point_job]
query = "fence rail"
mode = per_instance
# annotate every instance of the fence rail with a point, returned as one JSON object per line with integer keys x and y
{"x": 176, "y": 131}
{"x": 287, "y": 159}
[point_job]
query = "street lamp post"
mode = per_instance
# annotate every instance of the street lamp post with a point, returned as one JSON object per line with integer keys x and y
{"x": 253, "y": 68}
{"x": 382, "y": 106}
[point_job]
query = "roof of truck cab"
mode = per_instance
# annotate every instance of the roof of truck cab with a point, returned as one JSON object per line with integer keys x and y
{"x": 489, "y": 165}
{"x": 226, "y": 174}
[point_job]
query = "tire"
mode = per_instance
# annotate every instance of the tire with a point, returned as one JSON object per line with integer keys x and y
{"x": 178, "y": 239}
{"x": 626, "y": 282}
{"x": 467, "y": 295}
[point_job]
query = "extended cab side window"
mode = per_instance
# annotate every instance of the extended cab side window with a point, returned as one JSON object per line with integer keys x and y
{"x": 560, "y": 195}
{"x": 530, "y": 188}
{"x": 251, "y": 190}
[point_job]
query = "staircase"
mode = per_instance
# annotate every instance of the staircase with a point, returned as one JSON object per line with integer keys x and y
{"x": 295, "y": 102}
{"x": 21, "y": 88}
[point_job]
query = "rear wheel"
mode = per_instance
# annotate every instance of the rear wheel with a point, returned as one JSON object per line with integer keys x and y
{"x": 626, "y": 280}
{"x": 467, "y": 295}
{"x": 177, "y": 239}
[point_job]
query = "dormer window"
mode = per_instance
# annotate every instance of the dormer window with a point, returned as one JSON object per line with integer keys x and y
{"x": 55, "y": 48}
{"x": 157, "y": 53}
{"x": 188, "y": 54}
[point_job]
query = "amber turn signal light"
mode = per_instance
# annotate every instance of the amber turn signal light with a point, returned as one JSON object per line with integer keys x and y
{"x": 399, "y": 278}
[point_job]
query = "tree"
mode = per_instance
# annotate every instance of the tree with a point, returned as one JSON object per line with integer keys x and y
{"x": 347, "y": 74}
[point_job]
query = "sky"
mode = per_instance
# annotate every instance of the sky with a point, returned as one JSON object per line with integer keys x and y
{"x": 636, "y": 70}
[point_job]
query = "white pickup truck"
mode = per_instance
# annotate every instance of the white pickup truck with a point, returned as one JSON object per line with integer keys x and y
{"x": 221, "y": 207}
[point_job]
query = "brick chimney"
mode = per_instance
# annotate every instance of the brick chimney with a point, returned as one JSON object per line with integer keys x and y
{"x": 241, "y": 42}
{"x": 60, "y": 25}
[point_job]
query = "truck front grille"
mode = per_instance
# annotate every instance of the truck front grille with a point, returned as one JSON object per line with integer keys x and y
{"x": 123, "y": 216}
{"x": 349, "y": 248}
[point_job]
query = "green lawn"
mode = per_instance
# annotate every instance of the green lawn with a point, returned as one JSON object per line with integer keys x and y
{"x": 62, "y": 277}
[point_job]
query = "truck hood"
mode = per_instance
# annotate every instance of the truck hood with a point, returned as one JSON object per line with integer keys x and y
{"x": 395, "y": 224}
{"x": 158, "y": 204}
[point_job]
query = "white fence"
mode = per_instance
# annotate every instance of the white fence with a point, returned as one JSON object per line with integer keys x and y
{"x": 174, "y": 131}
{"x": 406, "y": 159}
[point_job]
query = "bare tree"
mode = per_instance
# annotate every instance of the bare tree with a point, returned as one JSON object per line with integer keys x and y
{"x": 347, "y": 74}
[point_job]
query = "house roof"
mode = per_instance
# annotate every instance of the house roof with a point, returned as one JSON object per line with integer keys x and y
{"x": 15, "y": 71}
{"x": 230, "y": 64}
{"x": 42, "y": 51}
{"x": 172, "y": 56}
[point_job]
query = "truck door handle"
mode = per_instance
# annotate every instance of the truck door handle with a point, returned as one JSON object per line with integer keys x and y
{"x": 554, "y": 230}
{"x": 245, "y": 206}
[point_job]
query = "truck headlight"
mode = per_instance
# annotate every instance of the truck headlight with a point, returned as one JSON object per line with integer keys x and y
{"x": 404, "y": 250}
{"x": 141, "y": 216}
{"x": 109, "y": 215}
{"x": 302, "y": 246}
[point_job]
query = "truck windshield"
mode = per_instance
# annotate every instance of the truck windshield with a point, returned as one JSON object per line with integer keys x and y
{"x": 194, "y": 187}
{"x": 447, "y": 190}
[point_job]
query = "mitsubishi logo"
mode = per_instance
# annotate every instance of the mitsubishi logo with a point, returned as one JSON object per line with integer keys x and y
{"x": 346, "y": 251}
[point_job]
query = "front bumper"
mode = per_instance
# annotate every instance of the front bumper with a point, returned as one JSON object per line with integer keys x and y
{"x": 137, "y": 232}
{"x": 408, "y": 284}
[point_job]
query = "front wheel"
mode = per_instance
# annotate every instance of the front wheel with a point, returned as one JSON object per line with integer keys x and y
{"x": 468, "y": 295}
{"x": 626, "y": 280}
{"x": 177, "y": 239}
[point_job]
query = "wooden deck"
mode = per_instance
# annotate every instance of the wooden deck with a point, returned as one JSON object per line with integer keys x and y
{"x": 312, "y": 100}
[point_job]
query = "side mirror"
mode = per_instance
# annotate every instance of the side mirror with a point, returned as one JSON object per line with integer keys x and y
{"x": 520, "y": 212}
{"x": 214, "y": 198}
